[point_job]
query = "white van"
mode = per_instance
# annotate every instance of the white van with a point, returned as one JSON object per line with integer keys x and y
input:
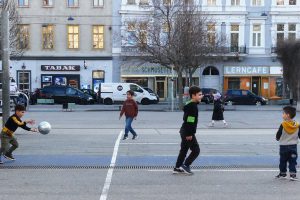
{"x": 116, "y": 92}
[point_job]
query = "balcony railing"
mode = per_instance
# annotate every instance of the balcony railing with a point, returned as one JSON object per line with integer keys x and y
{"x": 221, "y": 50}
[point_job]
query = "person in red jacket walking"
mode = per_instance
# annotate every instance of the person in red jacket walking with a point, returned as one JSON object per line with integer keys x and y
{"x": 130, "y": 108}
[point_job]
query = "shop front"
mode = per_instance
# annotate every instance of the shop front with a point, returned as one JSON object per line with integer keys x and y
{"x": 265, "y": 81}
{"x": 154, "y": 77}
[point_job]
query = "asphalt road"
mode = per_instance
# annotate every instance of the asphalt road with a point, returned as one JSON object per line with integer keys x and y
{"x": 82, "y": 158}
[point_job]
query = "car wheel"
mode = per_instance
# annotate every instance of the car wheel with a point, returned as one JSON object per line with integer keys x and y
{"x": 108, "y": 101}
{"x": 258, "y": 103}
{"x": 145, "y": 101}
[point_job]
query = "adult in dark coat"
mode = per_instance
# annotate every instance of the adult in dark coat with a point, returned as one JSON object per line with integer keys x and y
{"x": 218, "y": 110}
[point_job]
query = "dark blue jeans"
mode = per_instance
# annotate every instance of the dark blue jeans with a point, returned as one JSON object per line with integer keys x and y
{"x": 128, "y": 122}
{"x": 288, "y": 154}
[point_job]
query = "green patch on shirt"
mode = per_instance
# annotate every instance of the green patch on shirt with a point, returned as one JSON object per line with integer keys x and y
{"x": 191, "y": 119}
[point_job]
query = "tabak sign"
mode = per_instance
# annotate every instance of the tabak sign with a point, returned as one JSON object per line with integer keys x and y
{"x": 60, "y": 67}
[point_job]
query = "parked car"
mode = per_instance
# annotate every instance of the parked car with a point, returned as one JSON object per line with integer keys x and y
{"x": 91, "y": 93}
{"x": 208, "y": 95}
{"x": 151, "y": 92}
{"x": 243, "y": 97}
{"x": 65, "y": 94}
{"x": 110, "y": 93}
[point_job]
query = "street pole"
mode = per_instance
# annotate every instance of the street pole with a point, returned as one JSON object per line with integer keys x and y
{"x": 5, "y": 66}
{"x": 172, "y": 88}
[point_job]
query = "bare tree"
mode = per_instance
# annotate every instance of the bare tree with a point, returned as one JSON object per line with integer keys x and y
{"x": 288, "y": 53}
{"x": 175, "y": 35}
{"x": 14, "y": 29}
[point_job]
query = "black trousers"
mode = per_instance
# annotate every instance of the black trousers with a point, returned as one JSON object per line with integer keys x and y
{"x": 185, "y": 146}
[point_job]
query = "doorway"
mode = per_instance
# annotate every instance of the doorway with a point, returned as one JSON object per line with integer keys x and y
{"x": 161, "y": 87}
{"x": 255, "y": 85}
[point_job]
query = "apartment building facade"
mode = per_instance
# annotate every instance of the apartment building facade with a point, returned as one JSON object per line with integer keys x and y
{"x": 252, "y": 29}
{"x": 66, "y": 42}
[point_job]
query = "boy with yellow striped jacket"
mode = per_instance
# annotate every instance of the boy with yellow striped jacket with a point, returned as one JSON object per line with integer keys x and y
{"x": 7, "y": 133}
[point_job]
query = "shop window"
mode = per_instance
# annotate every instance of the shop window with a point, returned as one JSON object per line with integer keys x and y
{"x": 234, "y": 83}
{"x": 210, "y": 71}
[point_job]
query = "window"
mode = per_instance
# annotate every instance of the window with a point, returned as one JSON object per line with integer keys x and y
{"x": 209, "y": 71}
{"x": 234, "y": 38}
{"x": 98, "y": 3}
{"x": 211, "y": 2}
{"x": 234, "y": 83}
{"x": 24, "y": 80}
{"x": 131, "y": 33}
{"x": 73, "y": 3}
{"x": 144, "y": 2}
{"x": 211, "y": 34}
{"x": 22, "y": 3}
{"x": 47, "y": 2}
{"x": 235, "y": 2}
{"x": 292, "y": 2}
{"x": 292, "y": 31}
{"x": 280, "y": 33}
{"x": 48, "y": 36}
{"x": 23, "y": 38}
{"x": 256, "y": 35}
{"x": 143, "y": 33}
{"x": 98, "y": 37}
{"x": 256, "y": 2}
{"x": 130, "y": 2}
{"x": 73, "y": 36}
{"x": 280, "y": 2}
{"x": 167, "y": 2}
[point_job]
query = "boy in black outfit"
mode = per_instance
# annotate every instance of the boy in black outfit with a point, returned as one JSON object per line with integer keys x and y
{"x": 7, "y": 133}
{"x": 187, "y": 133}
{"x": 287, "y": 136}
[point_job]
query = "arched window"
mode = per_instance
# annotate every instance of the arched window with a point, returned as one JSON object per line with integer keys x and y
{"x": 210, "y": 70}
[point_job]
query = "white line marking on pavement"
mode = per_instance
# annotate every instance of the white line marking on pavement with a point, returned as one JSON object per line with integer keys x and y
{"x": 203, "y": 143}
{"x": 111, "y": 169}
{"x": 220, "y": 170}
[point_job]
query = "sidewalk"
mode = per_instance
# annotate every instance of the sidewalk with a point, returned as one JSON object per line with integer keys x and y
{"x": 161, "y": 107}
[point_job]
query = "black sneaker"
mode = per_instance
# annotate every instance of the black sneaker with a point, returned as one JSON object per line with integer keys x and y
{"x": 186, "y": 169}
{"x": 135, "y": 137}
{"x": 293, "y": 177}
{"x": 125, "y": 138}
{"x": 281, "y": 176}
{"x": 9, "y": 156}
{"x": 177, "y": 171}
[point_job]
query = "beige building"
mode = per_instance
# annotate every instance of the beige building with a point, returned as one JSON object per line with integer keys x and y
{"x": 66, "y": 41}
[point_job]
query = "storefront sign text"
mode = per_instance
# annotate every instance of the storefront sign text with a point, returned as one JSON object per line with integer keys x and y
{"x": 246, "y": 70}
{"x": 60, "y": 67}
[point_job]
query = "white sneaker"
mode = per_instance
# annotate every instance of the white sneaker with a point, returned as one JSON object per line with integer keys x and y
{"x": 225, "y": 125}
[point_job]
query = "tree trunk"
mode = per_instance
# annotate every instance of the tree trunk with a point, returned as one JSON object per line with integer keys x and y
{"x": 180, "y": 90}
{"x": 298, "y": 96}
{"x": 190, "y": 77}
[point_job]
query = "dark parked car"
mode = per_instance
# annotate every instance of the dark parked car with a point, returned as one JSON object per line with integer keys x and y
{"x": 243, "y": 97}
{"x": 208, "y": 95}
{"x": 91, "y": 93}
{"x": 151, "y": 92}
{"x": 64, "y": 94}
